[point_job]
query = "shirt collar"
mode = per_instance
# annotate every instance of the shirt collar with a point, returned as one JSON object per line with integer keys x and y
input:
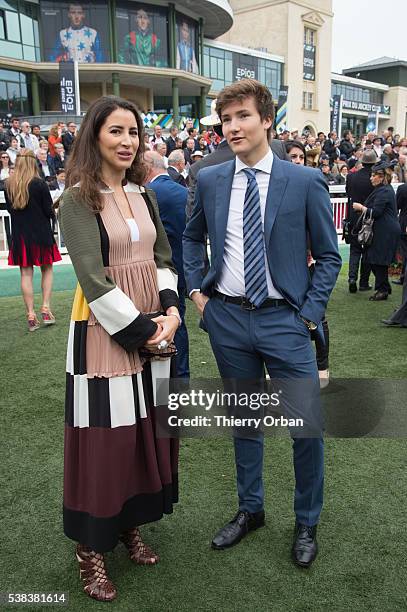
{"x": 264, "y": 165}
{"x": 158, "y": 176}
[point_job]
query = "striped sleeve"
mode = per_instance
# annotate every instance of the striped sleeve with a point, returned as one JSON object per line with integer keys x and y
{"x": 167, "y": 277}
{"x": 112, "y": 307}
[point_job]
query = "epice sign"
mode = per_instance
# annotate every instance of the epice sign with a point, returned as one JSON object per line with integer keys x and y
{"x": 245, "y": 73}
{"x": 244, "y": 66}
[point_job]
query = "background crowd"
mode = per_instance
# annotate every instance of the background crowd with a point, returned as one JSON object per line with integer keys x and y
{"x": 179, "y": 154}
{"x": 336, "y": 157}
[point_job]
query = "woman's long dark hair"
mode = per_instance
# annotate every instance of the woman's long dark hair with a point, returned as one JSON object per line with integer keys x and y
{"x": 85, "y": 162}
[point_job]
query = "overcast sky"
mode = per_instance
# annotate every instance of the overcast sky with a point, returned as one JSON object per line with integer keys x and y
{"x": 366, "y": 29}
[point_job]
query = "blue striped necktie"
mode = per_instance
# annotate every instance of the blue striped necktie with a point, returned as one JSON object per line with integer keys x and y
{"x": 253, "y": 242}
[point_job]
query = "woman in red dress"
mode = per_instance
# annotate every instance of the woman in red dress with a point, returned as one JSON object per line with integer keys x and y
{"x": 29, "y": 203}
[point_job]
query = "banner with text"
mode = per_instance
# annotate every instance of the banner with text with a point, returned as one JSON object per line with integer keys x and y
{"x": 372, "y": 124}
{"x": 67, "y": 85}
{"x": 336, "y": 114}
{"x": 281, "y": 115}
{"x": 309, "y": 63}
{"x": 245, "y": 67}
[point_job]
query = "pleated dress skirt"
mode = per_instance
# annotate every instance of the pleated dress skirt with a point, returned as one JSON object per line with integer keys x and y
{"x": 118, "y": 473}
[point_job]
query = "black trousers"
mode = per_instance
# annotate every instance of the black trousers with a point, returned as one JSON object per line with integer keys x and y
{"x": 358, "y": 255}
{"x": 322, "y": 346}
{"x": 403, "y": 251}
{"x": 381, "y": 278}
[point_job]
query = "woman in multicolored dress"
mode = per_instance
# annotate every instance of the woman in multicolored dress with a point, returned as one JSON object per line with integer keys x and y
{"x": 118, "y": 473}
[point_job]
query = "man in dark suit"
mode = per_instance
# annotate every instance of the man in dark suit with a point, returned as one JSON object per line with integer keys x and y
{"x": 221, "y": 154}
{"x": 257, "y": 300}
{"x": 401, "y": 198}
{"x": 68, "y": 137}
{"x": 172, "y": 199}
{"x": 176, "y": 165}
{"x": 172, "y": 140}
{"x": 358, "y": 188}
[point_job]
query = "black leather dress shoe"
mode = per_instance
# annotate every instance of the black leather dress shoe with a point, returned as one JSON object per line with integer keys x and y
{"x": 352, "y": 287}
{"x": 390, "y": 323}
{"x": 238, "y": 527}
{"x": 379, "y": 296}
{"x": 365, "y": 287}
{"x": 305, "y": 547}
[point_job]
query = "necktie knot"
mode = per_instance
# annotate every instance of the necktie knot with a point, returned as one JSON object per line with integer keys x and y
{"x": 250, "y": 173}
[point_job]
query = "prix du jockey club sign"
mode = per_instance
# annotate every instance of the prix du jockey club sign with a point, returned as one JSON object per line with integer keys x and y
{"x": 367, "y": 107}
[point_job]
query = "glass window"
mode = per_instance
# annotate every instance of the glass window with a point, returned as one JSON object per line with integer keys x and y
{"x": 214, "y": 68}
{"x": 229, "y": 71}
{"x": 9, "y": 75}
{"x": 2, "y": 25}
{"x": 10, "y": 5}
{"x": 13, "y": 26}
{"x": 10, "y": 49}
{"x": 36, "y": 34}
{"x": 206, "y": 63}
{"x": 221, "y": 69}
{"x": 29, "y": 53}
{"x": 27, "y": 33}
{"x": 217, "y": 53}
{"x": 3, "y": 91}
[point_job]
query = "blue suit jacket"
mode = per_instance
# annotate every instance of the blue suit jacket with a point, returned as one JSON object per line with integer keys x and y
{"x": 172, "y": 201}
{"x": 298, "y": 209}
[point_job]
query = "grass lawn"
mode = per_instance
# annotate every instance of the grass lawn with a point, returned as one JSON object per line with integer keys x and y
{"x": 362, "y": 536}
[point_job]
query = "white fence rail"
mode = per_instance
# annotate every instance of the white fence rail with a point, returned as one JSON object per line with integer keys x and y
{"x": 337, "y": 192}
{"x": 5, "y": 227}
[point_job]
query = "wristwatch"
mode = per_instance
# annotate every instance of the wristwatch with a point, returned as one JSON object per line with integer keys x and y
{"x": 310, "y": 324}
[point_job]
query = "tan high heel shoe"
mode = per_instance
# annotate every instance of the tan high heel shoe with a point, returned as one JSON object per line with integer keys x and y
{"x": 139, "y": 552}
{"x": 93, "y": 574}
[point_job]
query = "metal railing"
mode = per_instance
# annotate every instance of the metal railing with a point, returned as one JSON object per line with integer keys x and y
{"x": 339, "y": 202}
{"x": 5, "y": 228}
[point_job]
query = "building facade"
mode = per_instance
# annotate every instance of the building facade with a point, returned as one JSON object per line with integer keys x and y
{"x": 300, "y": 33}
{"x": 393, "y": 73}
{"x": 149, "y": 52}
{"x": 172, "y": 59}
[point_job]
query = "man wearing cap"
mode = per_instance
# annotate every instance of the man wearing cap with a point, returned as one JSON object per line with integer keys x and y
{"x": 196, "y": 156}
{"x": 358, "y": 188}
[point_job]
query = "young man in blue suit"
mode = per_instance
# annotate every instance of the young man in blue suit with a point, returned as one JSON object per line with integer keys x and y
{"x": 257, "y": 301}
{"x": 172, "y": 200}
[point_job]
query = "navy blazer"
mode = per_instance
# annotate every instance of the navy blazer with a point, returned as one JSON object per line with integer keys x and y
{"x": 172, "y": 201}
{"x": 297, "y": 205}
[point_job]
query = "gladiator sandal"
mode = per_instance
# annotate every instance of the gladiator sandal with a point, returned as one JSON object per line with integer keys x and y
{"x": 139, "y": 552}
{"x": 33, "y": 323}
{"x": 93, "y": 574}
{"x": 47, "y": 316}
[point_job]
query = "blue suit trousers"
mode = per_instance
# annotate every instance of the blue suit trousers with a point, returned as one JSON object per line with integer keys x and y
{"x": 243, "y": 343}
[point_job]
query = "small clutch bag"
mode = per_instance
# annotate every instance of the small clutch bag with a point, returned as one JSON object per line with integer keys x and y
{"x": 153, "y": 353}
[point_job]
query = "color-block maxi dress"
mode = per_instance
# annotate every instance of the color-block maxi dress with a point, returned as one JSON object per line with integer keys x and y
{"x": 117, "y": 473}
